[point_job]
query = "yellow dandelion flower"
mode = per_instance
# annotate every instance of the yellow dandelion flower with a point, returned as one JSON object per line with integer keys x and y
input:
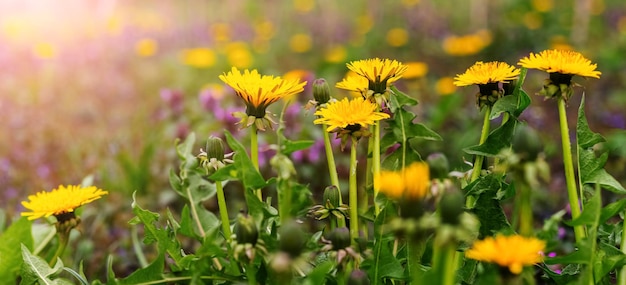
{"x": 300, "y": 43}
{"x": 513, "y": 252}
{"x": 146, "y": 47}
{"x": 239, "y": 55}
{"x": 445, "y": 86}
{"x": 198, "y": 57}
{"x": 259, "y": 91}
{"x": 485, "y": 73}
{"x": 467, "y": 44}
{"x": 397, "y": 37}
{"x": 415, "y": 69}
{"x": 355, "y": 83}
{"x": 335, "y": 54}
{"x": 411, "y": 183}
{"x": 565, "y": 62}
{"x": 378, "y": 71}
{"x": 62, "y": 200}
{"x": 45, "y": 50}
{"x": 349, "y": 114}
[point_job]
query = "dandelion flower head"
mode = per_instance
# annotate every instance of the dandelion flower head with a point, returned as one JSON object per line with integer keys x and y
{"x": 63, "y": 199}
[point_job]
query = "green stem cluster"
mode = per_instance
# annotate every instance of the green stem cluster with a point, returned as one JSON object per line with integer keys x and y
{"x": 354, "y": 213}
{"x": 478, "y": 161}
{"x": 332, "y": 171}
{"x": 254, "y": 154}
{"x": 376, "y": 164}
{"x": 221, "y": 202}
{"x": 570, "y": 178}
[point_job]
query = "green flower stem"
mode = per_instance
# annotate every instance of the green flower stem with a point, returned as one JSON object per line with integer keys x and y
{"x": 444, "y": 262}
{"x": 525, "y": 210}
{"x": 416, "y": 250}
{"x": 134, "y": 235}
{"x": 570, "y": 178}
{"x": 332, "y": 170}
{"x": 354, "y": 213}
{"x": 221, "y": 202}
{"x": 622, "y": 273}
{"x": 64, "y": 238}
{"x": 376, "y": 164}
{"x": 478, "y": 161}
{"x": 254, "y": 154}
{"x": 251, "y": 273}
{"x": 284, "y": 200}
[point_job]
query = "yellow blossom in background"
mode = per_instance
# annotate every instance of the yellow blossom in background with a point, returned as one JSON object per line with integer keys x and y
{"x": 264, "y": 30}
{"x": 410, "y": 183}
{"x": 259, "y": 91}
{"x": 542, "y": 5}
{"x": 300, "y": 43}
{"x": 364, "y": 24}
{"x": 146, "y": 47}
{"x": 415, "y": 69}
{"x": 597, "y": 7}
{"x": 220, "y": 32}
{"x": 565, "y": 62}
{"x": 347, "y": 114}
{"x": 44, "y": 50}
{"x": 410, "y": 3}
{"x": 532, "y": 20}
{"x": 63, "y": 199}
{"x": 238, "y": 54}
{"x": 303, "y": 6}
{"x": 217, "y": 90}
{"x": 621, "y": 25}
{"x": 513, "y": 252}
{"x": 445, "y": 86}
{"x": 114, "y": 25}
{"x": 397, "y": 37}
{"x": 487, "y": 72}
{"x": 468, "y": 44}
{"x": 198, "y": 57}
{"x": 335, "y": 54}
{"x": 560, "y": 43}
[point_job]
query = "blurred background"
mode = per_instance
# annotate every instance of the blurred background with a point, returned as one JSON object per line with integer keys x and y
{"x": 103, "y": 88}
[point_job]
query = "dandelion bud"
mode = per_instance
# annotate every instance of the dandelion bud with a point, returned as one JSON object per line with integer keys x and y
{"x": 292, "y": 238}
{"x": 246, "y": 231}
{"x": 439, "y": 165}
{"x": 340, "y": 238}
{"x": 321, "y": 91}
{"x": 526, "y": 143}
{"x": 215, "y": 148}
{"x": 451, "y": 207}
{"x": 358, "y": 277}
{"x": 332, "y": 196}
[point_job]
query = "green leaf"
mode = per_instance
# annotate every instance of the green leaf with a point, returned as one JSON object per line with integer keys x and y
{"x": 497, "y": 140}
{"x": 417, "y": 130}
{"x": 247, "y": 174}
{"x": 612, "y": 209}
{"x": 394, "y": 160}
{"x": 488, "y": 209}
{"x": 318, "y": 274}
{"x": 591, "y": 213}
{"x": 491, "y": 182}
{"x": 383, "y": 264}
{"x": 10, "y": 254}
{"x": 506, "y": 104}
{"x": 607, "y": 258}
{"x": 592, "y": 171}
{"x": 35, "y": 270}
{"x": 580, "y": 256}
{"x": 289, "y": 146}
{"x": 400, "y": 99}
{"x": 585, "y": 137}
